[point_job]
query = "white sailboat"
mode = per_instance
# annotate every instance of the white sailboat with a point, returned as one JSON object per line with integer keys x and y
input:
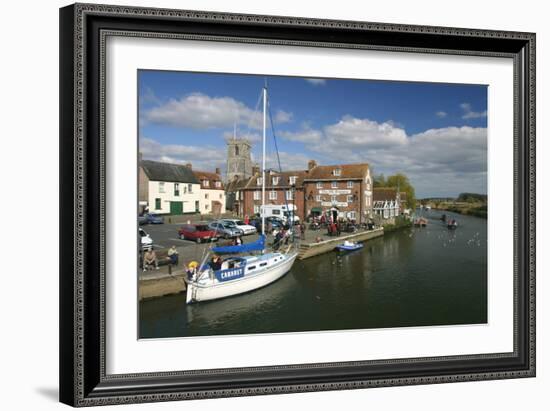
{"x": 248, "y": 267}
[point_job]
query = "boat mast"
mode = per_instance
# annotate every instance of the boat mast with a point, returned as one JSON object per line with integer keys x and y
{"x": 262, "y": 211}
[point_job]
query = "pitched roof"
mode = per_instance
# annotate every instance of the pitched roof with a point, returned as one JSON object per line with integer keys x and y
{"x": 177, "y": 173}
{"x": 347, "y": 171}
{"x": 237, "y": 184}
{"x": 206, "y": 175}
{"x": 384, "y": 193}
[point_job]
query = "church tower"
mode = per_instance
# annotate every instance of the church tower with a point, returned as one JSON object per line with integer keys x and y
{"x": 239, "y": 161}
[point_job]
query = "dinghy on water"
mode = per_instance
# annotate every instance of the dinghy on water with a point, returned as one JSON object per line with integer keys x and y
{"x": 349, "y": 246}
{"x": 246, "y": 267}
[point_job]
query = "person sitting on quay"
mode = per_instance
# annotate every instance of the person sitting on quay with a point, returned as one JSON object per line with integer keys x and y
{"x": 150, "y": 259}
{"x": 173, "y": 255}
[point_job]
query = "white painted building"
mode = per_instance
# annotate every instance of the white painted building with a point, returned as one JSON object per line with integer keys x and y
{"x": 168, "y": 188}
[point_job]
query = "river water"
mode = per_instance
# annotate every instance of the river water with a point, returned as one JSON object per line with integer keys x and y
{"x": 412, "y": 277}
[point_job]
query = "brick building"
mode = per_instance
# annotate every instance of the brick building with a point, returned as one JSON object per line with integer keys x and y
{"x": 343, "y": 190}
{"x": 338, "y": 190}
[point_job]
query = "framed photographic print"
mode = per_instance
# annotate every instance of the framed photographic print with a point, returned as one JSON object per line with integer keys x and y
{"x": 261, "y": 204}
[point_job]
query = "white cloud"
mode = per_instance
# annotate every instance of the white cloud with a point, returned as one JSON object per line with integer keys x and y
{"x": 316, "y": 81}
{"x": 201, "y": 157}
{"x": 468, "y": 113}
{"x": 289, "y": 161}
{"x": 442, "y": 161}
{"x": 441, "y": 114}
{"x": 282, "y": 117}
{"x": 357, "y": 133}
{"x": 200, "y": 111}
{"x": 306, "y": 135}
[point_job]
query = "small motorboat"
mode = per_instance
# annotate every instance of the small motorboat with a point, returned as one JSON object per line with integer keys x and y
{"x": 452, "y": 224}
{"x": 349, "y": 246}
{"x": 421, "y": 222}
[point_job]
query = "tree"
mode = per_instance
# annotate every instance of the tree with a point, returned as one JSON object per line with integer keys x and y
{"x": 402, "y": 181}
{"x": 379, "y": 181}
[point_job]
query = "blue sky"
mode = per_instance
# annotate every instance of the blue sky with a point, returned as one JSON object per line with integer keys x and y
{"x": 435, "y": 133}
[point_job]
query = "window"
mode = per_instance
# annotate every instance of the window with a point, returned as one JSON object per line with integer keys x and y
{"x": 221, "y": 195}
{"x": 259, "y": 181}
{"x": 256, "y": 209}
{"x": 289, "y": 194}
{"x": 367, "y": 201}
{"x": 350, "y": 184}
{"x": 257, "y": 195}
{"x": 236, "y": 150}
{"x": 334, "y": 184}
{"x": 275, "y": 180}
{"x": 206, "y": 183}
{"x": 273, "y": 195}
{"x": 317, "y": 197}
{"x": 337, "y": 171}
{"x": 157, "y": 204}
{"x": 176, "y": 189}
{"x": 292, "y": 180}
{"x": 352, "y": 215}
{"x": 350, "y": 198}
{"x": 190, "y": 188}
{"x": 319, "y": 184}
{"x": 206, "y": 196}
{"x": 333, "y": 199}
{"x": 218, "y": 184}
{"x": 161, "y": 187}
{"x": 276, "y": 212}
{"x": 206, "y": 206}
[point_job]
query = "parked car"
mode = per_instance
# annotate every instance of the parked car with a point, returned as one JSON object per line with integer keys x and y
{"x": 142, "y": 219}
{"x": 225, "y": 230}
{"x": 146, "y": 240}
{"x": 199, "y": 232}
{"x": 154, "y": 218}
{"x": 276, "y": 222}
{"x": 247, "y": 228}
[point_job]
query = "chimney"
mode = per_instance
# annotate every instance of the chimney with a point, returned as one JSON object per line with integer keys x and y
{"x": 189, "y": 166}
{"x": 218, "y": 170}
{"x": 311, "y": 164}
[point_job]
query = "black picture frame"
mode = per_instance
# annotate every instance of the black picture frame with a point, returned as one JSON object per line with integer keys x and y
{"x": 83, "y": 29}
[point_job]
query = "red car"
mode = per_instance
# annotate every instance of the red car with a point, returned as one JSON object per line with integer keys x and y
{"x": 197, "y": 232}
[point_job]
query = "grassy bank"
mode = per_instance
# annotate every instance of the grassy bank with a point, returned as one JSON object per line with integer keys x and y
{"x": 473, "y": 209}
{"x": 400, "y": 223}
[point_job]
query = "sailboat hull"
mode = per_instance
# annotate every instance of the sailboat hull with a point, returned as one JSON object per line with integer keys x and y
{"x": 197, "y": 292}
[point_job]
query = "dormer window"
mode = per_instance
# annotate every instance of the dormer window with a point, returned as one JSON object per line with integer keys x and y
{"x": 275, "y": 180}
{"x": 292, "y": 180}
{"x": 206, "y": 183}
{"x": 218, "y": 184}
{"x": 337, "y": 172}
{"x": 259, "y": 181}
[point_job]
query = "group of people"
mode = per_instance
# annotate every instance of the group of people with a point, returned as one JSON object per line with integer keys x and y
{"x": 150, "y": 259}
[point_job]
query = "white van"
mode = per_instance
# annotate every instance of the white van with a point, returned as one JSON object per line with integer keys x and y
{"x": 283, "y": 212}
